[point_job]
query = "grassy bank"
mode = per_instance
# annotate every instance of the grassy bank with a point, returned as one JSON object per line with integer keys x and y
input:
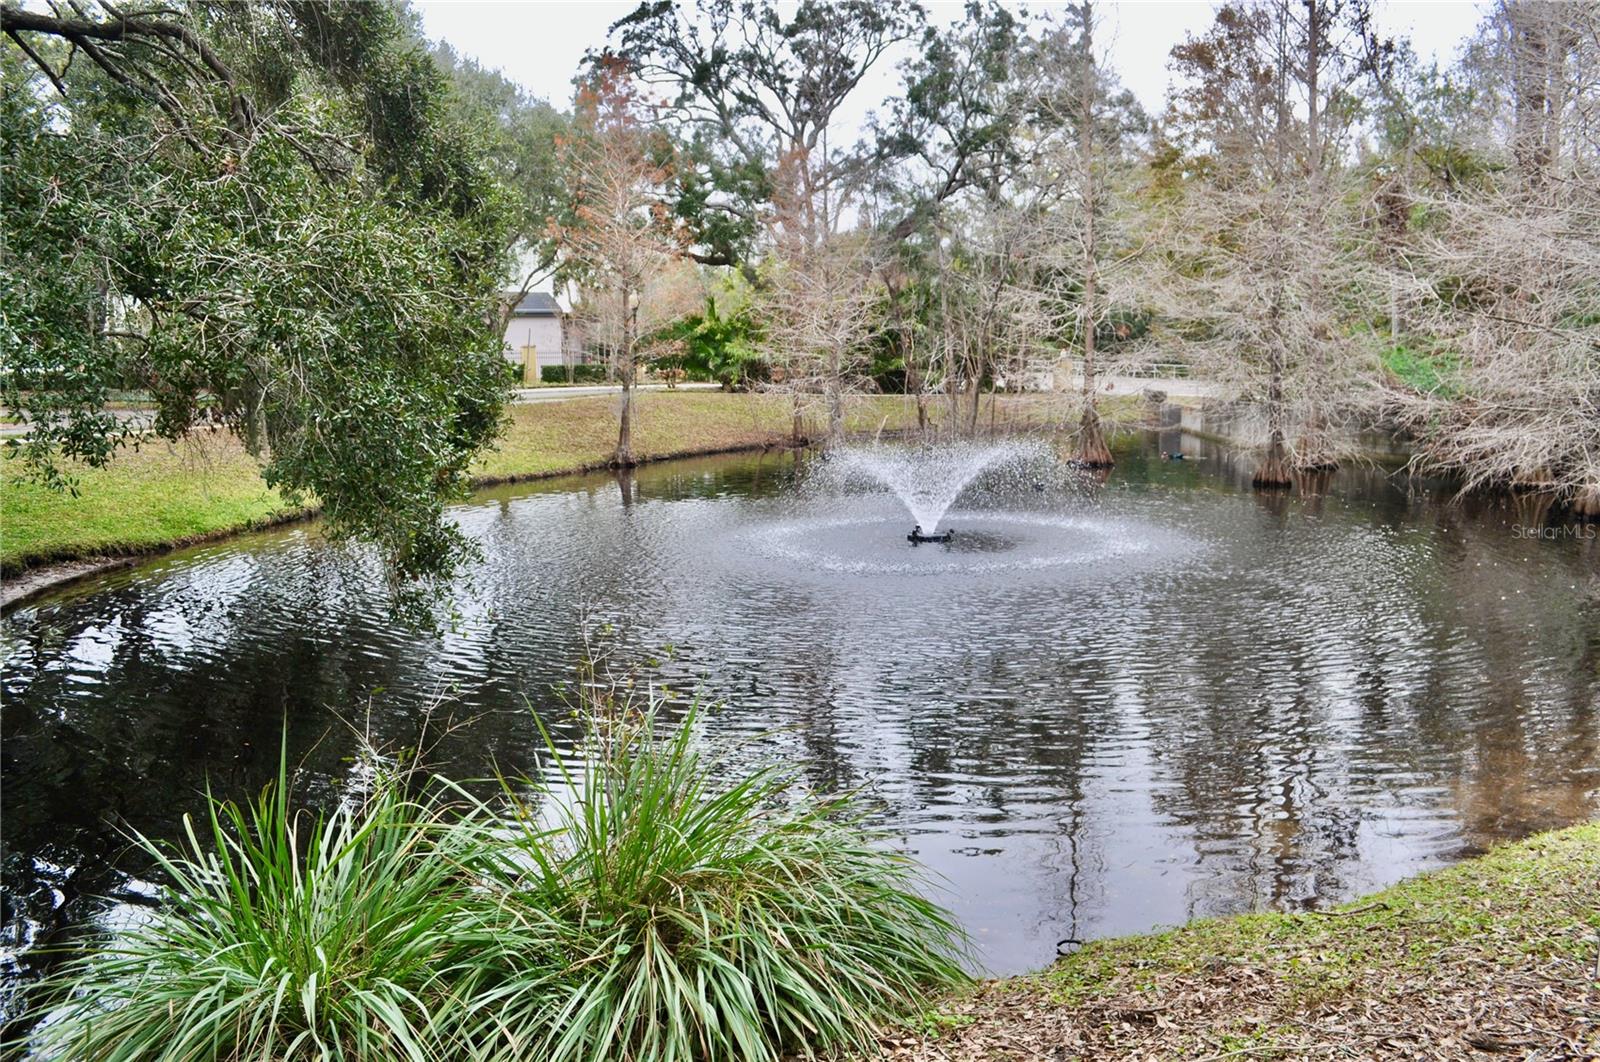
{"x": 548, "y": 438}
{"x": 164, "y": 495}
{"x": 1494, "y": 957}
{"x": 169, "y": 494}
{"x": 160, "y": 495}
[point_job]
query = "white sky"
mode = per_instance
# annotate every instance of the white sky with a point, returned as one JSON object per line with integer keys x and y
{"x": 539, "y": 43}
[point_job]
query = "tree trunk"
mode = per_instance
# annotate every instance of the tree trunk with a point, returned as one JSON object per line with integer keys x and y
{"x": 1394, "y": 311}
{"x": 1313, "y": 72}
{"x": 916, "y": 380}
{"x": 1273, "y": 472}
{"x": 1314, "y": 453}
{"x": 977, "y": 397}
{"x": 1530, "y": 87}
{"x": 953, "y": 393}
{"x": 1532, "y": 480}
{"x": 835, "y": 400}
{"x": 623, "y": 458}
{"x": 1586, "y": 506}
{"x": 1092, "y": 449}
{"x": 797, "y": 423}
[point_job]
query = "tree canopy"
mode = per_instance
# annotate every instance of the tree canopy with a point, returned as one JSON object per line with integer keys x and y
{"x": 266, "y": 216}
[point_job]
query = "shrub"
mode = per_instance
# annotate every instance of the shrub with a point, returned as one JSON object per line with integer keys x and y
{"x": 702, "y": 923}
{"x": 626, "y": 910}
{"x": 288, "y": 936}
{"x": 716, "y": 345}
{"x": 586, "y": 373}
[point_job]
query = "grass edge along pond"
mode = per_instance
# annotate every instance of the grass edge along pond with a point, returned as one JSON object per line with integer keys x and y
{"x": 166, "y": 495}
{"x": 1495, "y": 956}
{"x": 631, "y": 911}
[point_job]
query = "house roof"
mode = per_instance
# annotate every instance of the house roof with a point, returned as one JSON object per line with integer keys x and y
{"x": 537, "y": 304}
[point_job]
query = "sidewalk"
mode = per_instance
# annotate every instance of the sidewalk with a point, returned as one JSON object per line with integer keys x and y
{"x": 1173, "y": 386}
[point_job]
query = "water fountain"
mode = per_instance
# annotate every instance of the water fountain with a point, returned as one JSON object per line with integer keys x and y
{"x": 992, "y": 511}
{"x": 929, "y": 479}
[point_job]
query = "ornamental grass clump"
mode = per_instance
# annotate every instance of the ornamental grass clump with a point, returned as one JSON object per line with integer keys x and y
{"x": 702, "y": 915}
{"x": 286, "y": 935}
{"x": 630, "y": 906}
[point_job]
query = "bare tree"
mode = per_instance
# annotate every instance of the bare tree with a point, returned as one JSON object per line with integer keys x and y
{"x": 1082, "y": 267}
{"x": 663, "y": 297}
{"x": 819, "y": 297}
{"x": 982, "y": 315}
{"x": 1264, "y": 242}
{"x": 619, "y": 240}
{"x": 1512, "y": 262}
{"x": 1020, "y": 262}
{"x": 1517, "y": 400}
{"x": 1092, "y": 448}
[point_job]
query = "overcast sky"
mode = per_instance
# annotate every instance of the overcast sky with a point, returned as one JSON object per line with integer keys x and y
{"x": 539, "y": 44}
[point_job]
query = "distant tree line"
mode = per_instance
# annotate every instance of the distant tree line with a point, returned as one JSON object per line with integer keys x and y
{"x": 1318, "y": 218}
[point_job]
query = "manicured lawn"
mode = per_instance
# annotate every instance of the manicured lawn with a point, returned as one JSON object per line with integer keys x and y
{"x": 163, "y": 494}
{"x": 1493, "y": 955}
{"x": 167, "y": 494}
{"x": 543, "y": 438}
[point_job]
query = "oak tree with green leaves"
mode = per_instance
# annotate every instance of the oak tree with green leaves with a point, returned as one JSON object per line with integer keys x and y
{"x": 264, "y": 215}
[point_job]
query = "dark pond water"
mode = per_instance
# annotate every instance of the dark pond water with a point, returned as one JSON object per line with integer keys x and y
{"x": 1103, "y": 708}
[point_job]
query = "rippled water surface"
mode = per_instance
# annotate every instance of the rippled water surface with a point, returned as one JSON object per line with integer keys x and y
{"x": 1098, "y": 710}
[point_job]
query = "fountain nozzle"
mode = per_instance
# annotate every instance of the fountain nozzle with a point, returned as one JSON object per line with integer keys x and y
{"x": 916, "y": 537}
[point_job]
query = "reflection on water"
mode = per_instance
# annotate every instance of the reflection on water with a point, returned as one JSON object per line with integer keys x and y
{"x": 1114, "y": 707}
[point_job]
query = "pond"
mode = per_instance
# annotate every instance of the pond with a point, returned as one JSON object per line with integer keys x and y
{"x": 1100, "y": 709}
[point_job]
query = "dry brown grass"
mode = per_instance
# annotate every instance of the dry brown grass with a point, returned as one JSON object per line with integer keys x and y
{"x": 1492, "y": 958}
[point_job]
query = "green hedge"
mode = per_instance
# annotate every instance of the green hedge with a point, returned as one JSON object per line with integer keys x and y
{"x": 580, "y": 374}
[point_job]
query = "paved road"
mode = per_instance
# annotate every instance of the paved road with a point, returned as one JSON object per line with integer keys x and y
{"x": 137, "y": 418}
{"x": 559, "y": 394}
